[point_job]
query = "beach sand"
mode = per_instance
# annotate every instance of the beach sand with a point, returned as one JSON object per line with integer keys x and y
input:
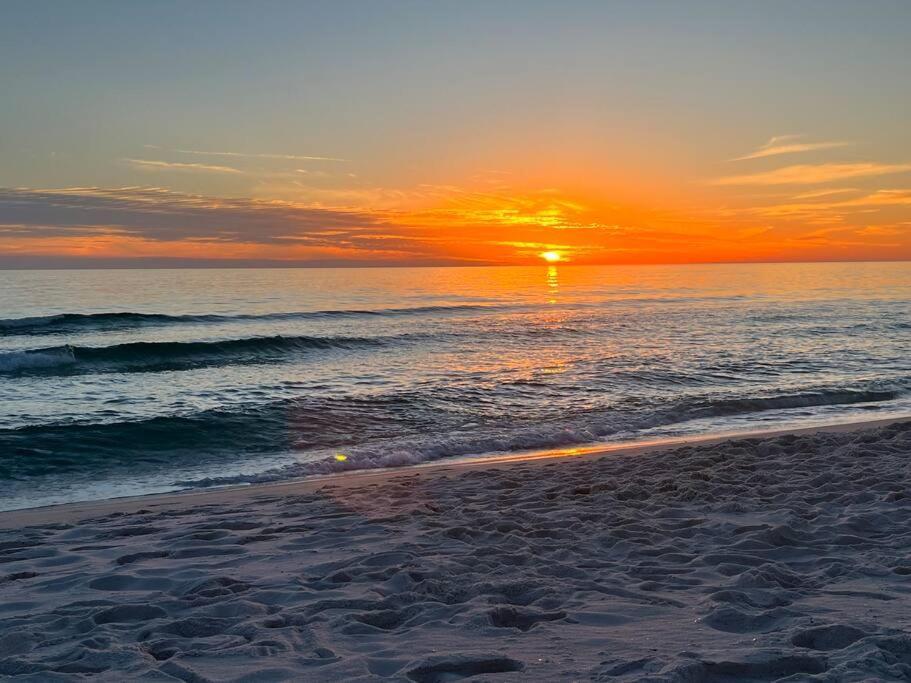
{"x": 737, "y": 559}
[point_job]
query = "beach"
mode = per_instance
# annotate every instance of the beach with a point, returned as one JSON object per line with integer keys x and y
{"x": 430, "y": 342}
{"x": 760, "y": 558}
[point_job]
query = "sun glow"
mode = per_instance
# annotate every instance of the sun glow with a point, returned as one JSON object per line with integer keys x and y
{"x": 551, "y": 256}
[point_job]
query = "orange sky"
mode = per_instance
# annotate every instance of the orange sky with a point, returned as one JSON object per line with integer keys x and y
{"x": 818, "y": 211}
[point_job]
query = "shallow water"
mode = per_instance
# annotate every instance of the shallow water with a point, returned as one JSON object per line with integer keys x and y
{"x": 133, "y": 381}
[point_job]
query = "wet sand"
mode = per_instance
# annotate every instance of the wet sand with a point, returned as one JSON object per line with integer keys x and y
{"x": 727, "y": 558}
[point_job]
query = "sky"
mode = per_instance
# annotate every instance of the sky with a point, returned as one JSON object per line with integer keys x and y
{"x": 465, "y": 133}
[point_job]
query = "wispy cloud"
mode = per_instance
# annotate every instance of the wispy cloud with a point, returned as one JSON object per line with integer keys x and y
{"x": 882, "y": 198}
{"x": 864, "y": 203}
{"x": 154, "y": 165}
{"x": 789, "y": 144}
{"x": 811, "y": 174}
{"x": 816, "y": 194}
{"x": 312, "y": 174}
{"x": 882, "y": 231}
{"x": 247, "y": 155}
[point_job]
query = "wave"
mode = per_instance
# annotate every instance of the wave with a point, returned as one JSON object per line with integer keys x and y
{"x": 70, "y": 323}
{"x": 734, "y": 406}
{"x": 558, "y": 434}
{"x": 380, "y": 431}
{"x": 40, "y": 359}
{"x": 220, "y": 435}
{"x": 175, "y": 355}
{"x": 160, "y": 356}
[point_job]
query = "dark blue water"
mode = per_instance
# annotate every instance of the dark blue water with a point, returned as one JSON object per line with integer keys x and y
{"x": 122, "y": 382}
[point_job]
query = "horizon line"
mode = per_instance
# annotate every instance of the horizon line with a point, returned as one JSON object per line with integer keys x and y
{"x": 220, "y": 265}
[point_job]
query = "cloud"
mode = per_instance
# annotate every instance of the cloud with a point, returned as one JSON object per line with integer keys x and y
{"x": 866, "y": 203}
{"x": 161, "y": 215}
{"x": 811, "y": 174}
{"x": 825, "y": 193}
{"x": 153, "y": 165}
{"x": 313, "y": 174}
{"x": 882, "y": 231}
{"x": 536, "y": 245}
{"x": 787, "y": 144}
{"x": 881, "y": 198}
{"x": 247, "y": 155}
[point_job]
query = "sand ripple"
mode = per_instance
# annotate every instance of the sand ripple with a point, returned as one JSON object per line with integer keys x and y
{"x": 754, "y": 560}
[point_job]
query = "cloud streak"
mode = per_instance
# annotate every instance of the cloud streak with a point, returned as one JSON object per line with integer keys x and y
{"x": 875, "y": 200}
{"x": 816, "y": 194}
{"x": 155, "y": 165}
{"x": 162, "y": 215}
{"x": 248, "y": 155}
{"x": 811, "y": 174}
{"x": 788, "y": 144}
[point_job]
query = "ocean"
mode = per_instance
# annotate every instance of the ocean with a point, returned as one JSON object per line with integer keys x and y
{"x": 124, "y": 382}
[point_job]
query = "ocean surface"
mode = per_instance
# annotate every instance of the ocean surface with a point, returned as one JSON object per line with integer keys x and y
{"x": 122, "y": 382}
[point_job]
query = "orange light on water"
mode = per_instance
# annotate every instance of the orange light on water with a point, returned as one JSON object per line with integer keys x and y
{"x": 551, "y": 256}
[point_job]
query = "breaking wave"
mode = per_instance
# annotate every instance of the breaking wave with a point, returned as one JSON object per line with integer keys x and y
{"x": 175, "y": 355}
{"x": 71, "y": 323}
{"x": 558, "y": 434}
{"x": 392, "y": 430}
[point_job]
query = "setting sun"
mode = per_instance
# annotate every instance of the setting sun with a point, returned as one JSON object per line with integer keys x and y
{"x": 551, "y": 256}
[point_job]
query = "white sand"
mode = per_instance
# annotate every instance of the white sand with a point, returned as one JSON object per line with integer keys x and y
{"x": 785, "y": 558}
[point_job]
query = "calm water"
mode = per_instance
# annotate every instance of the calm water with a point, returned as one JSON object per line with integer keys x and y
{"x": 122, "y": 382}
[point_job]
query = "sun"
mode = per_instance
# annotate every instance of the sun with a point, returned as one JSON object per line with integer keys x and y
{"x": 551, "y": 256}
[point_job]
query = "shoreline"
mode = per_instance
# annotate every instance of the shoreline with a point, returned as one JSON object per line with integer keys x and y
{"x": 778, "y": 555}
{"x": 71, "y": 512}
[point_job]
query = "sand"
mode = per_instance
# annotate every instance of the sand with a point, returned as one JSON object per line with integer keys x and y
{"x": 751, "y": 559}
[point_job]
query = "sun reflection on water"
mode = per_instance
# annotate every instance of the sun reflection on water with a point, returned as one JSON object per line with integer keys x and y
{"x": 553, "y": 284}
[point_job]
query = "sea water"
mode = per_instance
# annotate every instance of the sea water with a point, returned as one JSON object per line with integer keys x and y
{"x": 120, "y": 382}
